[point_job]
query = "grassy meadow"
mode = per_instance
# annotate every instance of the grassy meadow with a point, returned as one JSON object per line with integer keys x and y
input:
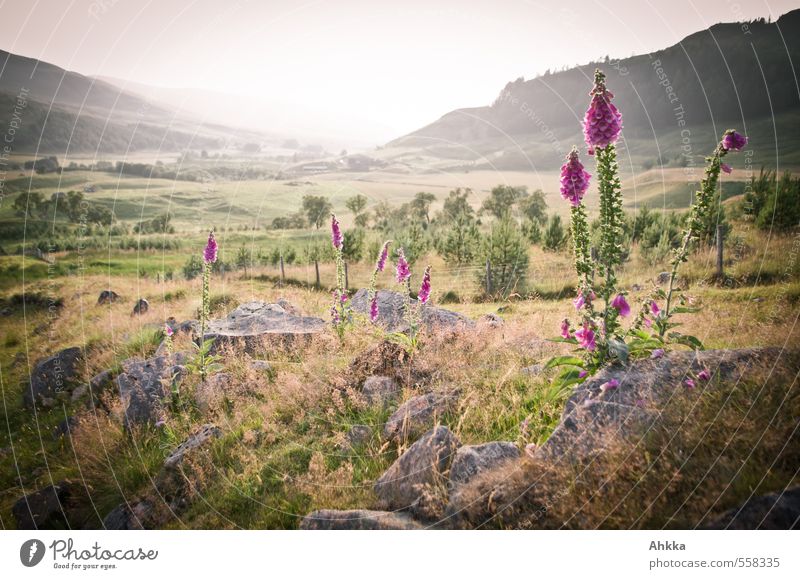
{"x": 282, "y": 453}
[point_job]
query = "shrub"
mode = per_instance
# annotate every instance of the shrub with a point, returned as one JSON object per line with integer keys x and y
{"x": 506, "y": 250}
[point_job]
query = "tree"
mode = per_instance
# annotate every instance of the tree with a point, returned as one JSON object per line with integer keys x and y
{"x": 457, "y": 204}
{"x": 356, "y": 204}
{"x": 534, "y": 207}
{"x": 353, "y": 245}
{"x": 554, "y": 236}
{"x": 242, "y": 259}
{"x": 421, "y": 206}
{"x": 317, "y": 209}
{"x": 414, "y": 241}
{"x": 502, "y": 199}
{"x": 506, "y": 250}
{"x": 461, "y": 241}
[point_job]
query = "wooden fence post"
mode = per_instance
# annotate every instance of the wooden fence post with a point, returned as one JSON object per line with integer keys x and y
{"x": 316, "y": 271}
{"x": 346, "y": 277}
{"x": 283, "y": 275}
{"x": 720, "y": 248}
{"x": 488, "y": 278}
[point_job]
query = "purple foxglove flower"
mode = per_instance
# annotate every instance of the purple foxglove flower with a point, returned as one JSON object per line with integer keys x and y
{"x": 583, "y": 374}
{"x": 585, "y": 337}
{"x": 210, "y": 252}
{"x": 654, "y": 308}
{"x": 565, "y": 329}
{"x": 603, "y": 122}
{"x": 733, "y": 141}
{"x": 704, "y": 375}
{"x": 382, "y": 257}
{"x": 574, "y": 179}
{"x": 373, "y": 308}
{"x": 620, "y": 304}
{"x": 336, "y": 233}
{"x": 726, "y": 168}
{"x": 425, "y": 289}
{"x": 648, "y": 322}
{"x": 403, "y": 271}
{"x": 343, "y": 298}
{"x": 335, "y": 315}
{"x": 657, "y": 353}
{"x": 612, "y": 384}
{"x": 168, "y": 330}
{"x": 689, "y": 383}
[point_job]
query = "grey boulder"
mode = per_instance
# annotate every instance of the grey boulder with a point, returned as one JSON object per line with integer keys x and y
{"x": 145, "y": 384}
{"x": 419, "y": 473}
{"x": 473, "y": 460}
{"x": 391, "y": 313}
{"x": 418, "y": 414}
{"x": 359, "y": 520}
{"x": 53, "y": 376}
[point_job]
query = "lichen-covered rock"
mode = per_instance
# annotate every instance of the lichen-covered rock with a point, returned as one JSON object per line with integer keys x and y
{"x": 775, "y": 511}
{"x": 145, "y": 384}
{"x": 419, "y": 476}
{"x": 417, "y": 414}
{"x": 359, "y": 520}
{"x": 203, "y": 436}
{"x": 252, "y": 324}
{"x": 472, "y": 460}
{"x": 380, "y": 390}
{"x": 391, "y": 317}
{"x": 54, "y": 376}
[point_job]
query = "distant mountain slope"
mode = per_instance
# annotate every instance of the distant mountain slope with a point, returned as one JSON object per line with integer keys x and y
{"x": 726, "y": 74}
{"x": 67, "y": 112}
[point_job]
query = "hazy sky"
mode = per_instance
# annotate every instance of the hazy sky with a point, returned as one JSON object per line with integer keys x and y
{"x": 389, "y": 66}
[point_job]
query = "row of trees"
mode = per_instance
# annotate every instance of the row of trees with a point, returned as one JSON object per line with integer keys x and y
{"x": 72, "y": 205}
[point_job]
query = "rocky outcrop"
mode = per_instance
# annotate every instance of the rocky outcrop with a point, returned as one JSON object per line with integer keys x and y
{"x": 145, "y": 384}
{"x": 359, "y": 520}
{"x": 391, "y": 316}
{"x": 252, "y": 324}
{"x": 176, "y": 486}
{"x": 107, "y": 297}
{"x": 418, "y": 479}
{"x": 417, "y": 414}
{"x": 470, "y": 461}
{"x": 55, "y": 376}
{"x": 142, "y": 307}
{"x": 775, "y": 511}
{"x": 380, "y": 390}
{"x": 43, "y": 509}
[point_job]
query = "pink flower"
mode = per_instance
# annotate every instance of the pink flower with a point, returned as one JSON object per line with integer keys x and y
{"x": 425, "y": 288}
{"x": 603, "y": 122}
{"x": 210, "y": 252}
{"x": 373, "y": 308}
{"x": 585, "y": 337}
{"x": 648, "y": 322}
{"x": 704, "y": 375}
{"x": 654, "y": 308}
{"x": 726, "y": 168}
{"x": 657, "y": 353}
{"x": 574, "y": 179}
{"x": 689, "y": 383}
{"x": 620, "y": 304}
{"x": 579, "y": 301}
{"x": 583, "y": 374}
{"x": 403, "y": 271}
{"x": 733, "y": 141}
{"x": 336, "y": 233}
{"x": 612, "y": 384}
{"x": 382, "y": 257}
{"x": 168, "y": 330}
{"x": 565, "y": 329}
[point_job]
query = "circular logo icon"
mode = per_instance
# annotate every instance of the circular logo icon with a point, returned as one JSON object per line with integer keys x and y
{"x": 31, "y": 553}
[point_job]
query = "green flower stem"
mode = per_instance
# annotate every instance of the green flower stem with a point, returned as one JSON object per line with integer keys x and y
{"x": 697, "y": 217}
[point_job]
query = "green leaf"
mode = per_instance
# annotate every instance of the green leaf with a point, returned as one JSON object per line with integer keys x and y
{"x": 568, "y": 377}
{"x": 685, "y": 340}
{"x": 563, "y": 340}
{"x": 564, "y": 361}
{"x": 684, "y": 310}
